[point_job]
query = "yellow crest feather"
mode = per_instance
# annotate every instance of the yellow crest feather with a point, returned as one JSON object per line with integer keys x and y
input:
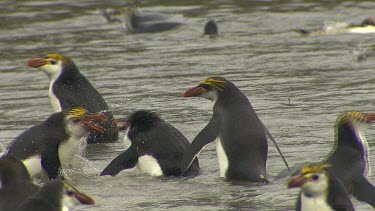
{"x": 217, "y": 83}
{"x": 315, "y": 169}
{"x": 61, "y": 58}
{"x": 78, "y": 112}
{"x": 355, "y": 116}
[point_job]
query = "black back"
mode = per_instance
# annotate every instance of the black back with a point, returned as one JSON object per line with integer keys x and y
{"x": 43, "y": 139}
{"x": 48, "y": 198}
{"x": 348, "y": 163}
{"x": 16, "y": 183}
{"x": 210, "y": 28}
{"x": 74, "y": 90}
{"x": 151, "y": 135}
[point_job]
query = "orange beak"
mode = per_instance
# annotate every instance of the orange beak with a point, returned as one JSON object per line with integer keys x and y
{"x": 297, "y": 181}
{"x": 370, "y": 117}
{"x": 36, "y": 62}
{"x": 195, "y": 91}
{"x": 89, "y": 122}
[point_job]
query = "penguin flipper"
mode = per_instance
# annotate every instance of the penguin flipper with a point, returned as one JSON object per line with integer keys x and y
{"x": 125, "y": 160}
{"x": 206, "y": 136}
{"x": 364, "y": 191}
{"x": 51, "y": 163}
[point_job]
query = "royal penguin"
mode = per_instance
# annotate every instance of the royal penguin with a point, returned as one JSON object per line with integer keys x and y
{"x": 69, "y": 89}
{"x": 16, "y": 184}
{"x": 320, "y": 190}
{"x": 156, "y": 147}
{"x": 55, "y": 195}
{"x": 350, "y": 155}
{"x": 45, "y": 147}
{"x": 239, "y": 133}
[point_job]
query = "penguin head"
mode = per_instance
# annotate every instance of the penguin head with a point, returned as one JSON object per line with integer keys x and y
{"x": 210, "y": 28}
{"x": 356, "y": 118}
{"x": 61, "y": 194}
{"x": 368, "y": 22}
{"x": 12, "y": 169}
{"x": 313, "y": 181}
{"x": 79, "y": 122}
{"x": 53, "y": 65}
{"x": 211, "y": 88}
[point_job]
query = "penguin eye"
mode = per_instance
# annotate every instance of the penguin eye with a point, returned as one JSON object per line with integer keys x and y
{"x": 74, "y": 120}
{"x": 53, "y": 62}
{"x": 315, "y": 177}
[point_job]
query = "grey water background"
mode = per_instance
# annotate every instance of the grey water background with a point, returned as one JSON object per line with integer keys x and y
{"x": 256, "y": 50}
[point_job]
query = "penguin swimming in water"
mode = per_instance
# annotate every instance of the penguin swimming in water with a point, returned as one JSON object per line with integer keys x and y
{"x": 156, "y": 147}
{"x": 320, "y": 190}
{"x": 55, "y": 195}
{"x": 211, "y": 29}
{"x": 349, "y": 157}
{"x": 130, "y": 20}
{"x": 240, "y": 135}
{"x": 45, "y": 147}
{"x": 367, "y": 26}
{"x": 16, "y": 184}
{"x": 69, "y": 89}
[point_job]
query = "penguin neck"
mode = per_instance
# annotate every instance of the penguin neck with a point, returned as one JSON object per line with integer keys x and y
{"x": 349, "y": 135}
{"x": 231, "y": 95}
{"x": 318, "y": 202}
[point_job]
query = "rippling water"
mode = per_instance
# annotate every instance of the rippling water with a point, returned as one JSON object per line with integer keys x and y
{"x": 256, "y": 50}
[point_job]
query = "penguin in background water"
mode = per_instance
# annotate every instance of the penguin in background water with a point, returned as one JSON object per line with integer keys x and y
{"x": 45, "y": 147}
{"x": 211, "y": 29}
{"x": 320, "y": 190}
{"x": 156, "y": 147}
{"x": 55, "y": 195}
{"x": 16, "y": 184}
{"x": 349, "y": 156}
{"x": 69, "y": 89}
{"x": 240, "y": 135}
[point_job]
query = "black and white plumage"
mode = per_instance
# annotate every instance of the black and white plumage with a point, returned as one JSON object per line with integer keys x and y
{"x": 320, "y": 190}
{"x": 156, "y": 147}
{"x": 45, "y": 147}
{"x": 240, "y": 135}
{"x": 69, "y": 89}
{"x": 16, "y": 184}
{"x": 55, "y": 195}
{"x": 349, "y": 157}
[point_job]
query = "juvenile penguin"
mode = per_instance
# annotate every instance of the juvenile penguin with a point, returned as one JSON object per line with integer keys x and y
{"x": 55, "y": 195}
{"x": 349, "y": 156}
{"x": 156, "y": 147}
{"x": 69, "y": 89}
{"x": 16, "y": 184}
{"x": 240, "y": 135}
{"x": 320, "y": 190}
{"x": 45, "y": 147}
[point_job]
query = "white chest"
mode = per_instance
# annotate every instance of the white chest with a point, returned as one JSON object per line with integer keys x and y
{"x": 34, "y": 166}
{"x": 70, "y": 148}
{"x": 222, "y": 157}
{"x": 314, "y": 204}
{"x": 149, "y": 165}
{"x": 126, "y": 142}
{"x": 52, "y": 97}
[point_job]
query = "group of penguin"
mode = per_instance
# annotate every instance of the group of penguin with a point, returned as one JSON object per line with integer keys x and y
{"x": 159, "y": 149}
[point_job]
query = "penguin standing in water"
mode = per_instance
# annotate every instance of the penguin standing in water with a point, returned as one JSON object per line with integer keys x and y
{"x": 320, "y": 190}
{"x": 45, "y": 147}
{"x": 211, "y": 29}
{"x": 16, "y": 184}
{"x": 349, "y": 157}
{"x": 156, "y": 147}
{"x": 69, "y": 89}
{"x": 55, "y": 195}
{"x": 240, "y": 135}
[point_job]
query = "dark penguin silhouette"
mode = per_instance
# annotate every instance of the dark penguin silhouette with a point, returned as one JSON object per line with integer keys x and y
{"x": 156, "y": 147}
{"x": 320, "y": 190}
{"x": 130, "y": 19}
{"x": 211, "y": 28}
{"x": 69, "y": 89}
{"x": 45, "y": 147}
{"x": 55, "y": 195}
{"x": 240, "y": 135}
{"x": 16, "y": 184}
{"x": 349, "y": 157}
